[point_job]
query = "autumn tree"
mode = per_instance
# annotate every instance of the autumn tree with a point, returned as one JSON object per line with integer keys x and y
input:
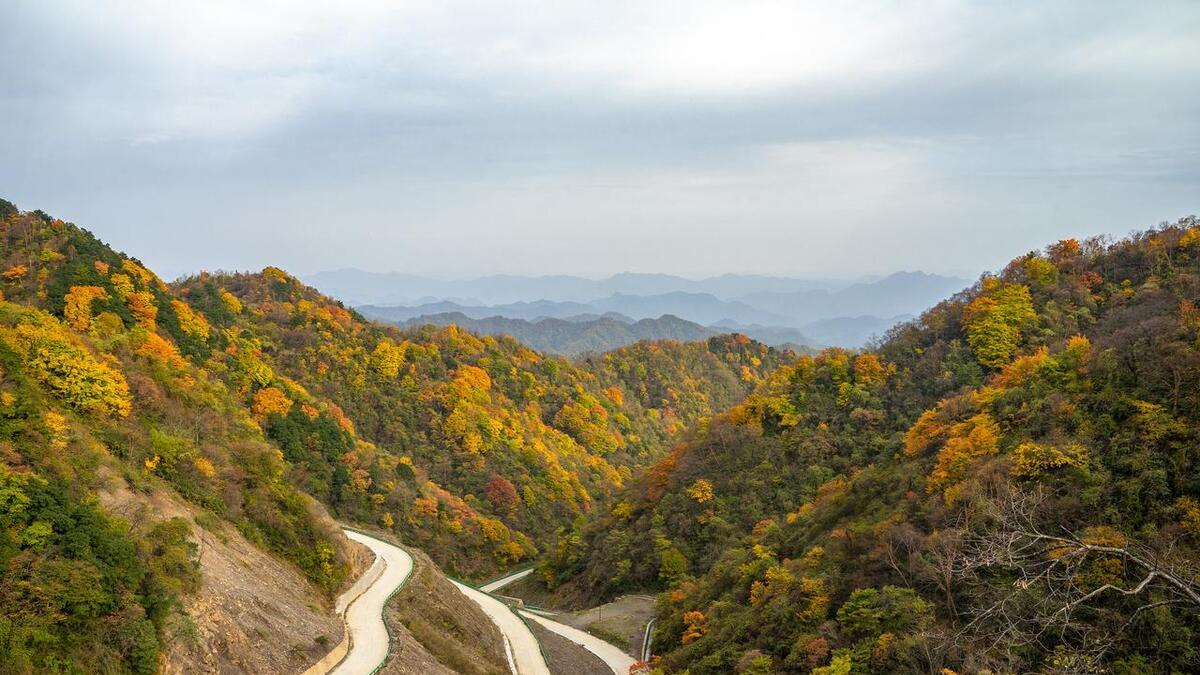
{"x": 966, "y": 443}
{"x": 78, "y": 308}
{"x": 995, "y": 318}
{"x": 68, "y": 370}
{"x": 502, "y": 494}
{"x": 270, "y": 401}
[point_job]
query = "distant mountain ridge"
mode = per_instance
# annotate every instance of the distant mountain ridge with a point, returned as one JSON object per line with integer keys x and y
{"x": 572, "y": 337}
{"x": 848, "y": 316}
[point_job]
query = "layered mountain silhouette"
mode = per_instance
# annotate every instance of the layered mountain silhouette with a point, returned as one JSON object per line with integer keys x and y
{"x": 778, "y": 311}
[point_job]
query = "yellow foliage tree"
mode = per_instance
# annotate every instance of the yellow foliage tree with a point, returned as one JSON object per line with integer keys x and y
{"x": 204, "y": 467}
{"x": 1190, "y": 510}
{"x": 141, "y": 304}
{"x": 143, "y": 276}
{"x": 696, "y": 626}
{"x": 231, "y": 302}
{"x": 156, "y": 348}
{"x": 473, "y": 378}
{"x": 1032, "y": 460}
{"x": 493, "y": 530}
{"x": 15, "y": 272}
{"x": 701, "y": 491}
{"x": 995, "y": 318}
{"x": 869, "y": 370}
{"x": 58, "y": 428}
{"x": 1041, "y": 272}
{"x": 1022, "y": 369}
{"x": 78, "y": 307}
{"x": 122, "y": 285}
{"x": 387, "y": 358}
{"x": 928, "y": 428}
{"x": 69, "y": 371}
{"x": 190, "y": 322}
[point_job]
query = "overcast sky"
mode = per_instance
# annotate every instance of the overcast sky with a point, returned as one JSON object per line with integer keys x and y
{"x": 461, "y": 139}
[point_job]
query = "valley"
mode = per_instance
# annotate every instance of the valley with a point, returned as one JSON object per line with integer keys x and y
{"x": 186, "y": 452}
{"x": 368, "y": 644}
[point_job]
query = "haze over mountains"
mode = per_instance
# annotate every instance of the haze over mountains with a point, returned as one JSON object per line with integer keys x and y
{"x": 568, "y": 314}
{"x": 396, "y": 288}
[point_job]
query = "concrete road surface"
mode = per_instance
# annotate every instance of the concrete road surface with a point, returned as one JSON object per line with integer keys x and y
{"x": 526, "y": 655}
{"x": 505, "y": 580}
{"x": 364, "y": 617}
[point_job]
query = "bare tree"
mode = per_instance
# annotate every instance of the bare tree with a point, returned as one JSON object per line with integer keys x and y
{"x": 1025, "y": 584}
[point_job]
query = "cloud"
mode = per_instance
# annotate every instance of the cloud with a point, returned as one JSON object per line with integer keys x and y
{"x": 455, "y": 134}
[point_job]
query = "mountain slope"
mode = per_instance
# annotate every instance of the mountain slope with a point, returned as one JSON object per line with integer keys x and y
{"x": 155, "y": 439}
{"x": 471, "y": 448}
{"x": 98, "y": 399}
{"x": 1008, "y": 484}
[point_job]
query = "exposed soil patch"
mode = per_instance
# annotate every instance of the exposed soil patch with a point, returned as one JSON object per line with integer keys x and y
{"x": 436, "y": 630}
{"x": 621, "y": 622}
{"x": 565, "y": 657}
{"x": 253, "y": 612}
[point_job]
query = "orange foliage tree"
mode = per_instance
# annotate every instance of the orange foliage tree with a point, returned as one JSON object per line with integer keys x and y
{"x": 966, "y": 442}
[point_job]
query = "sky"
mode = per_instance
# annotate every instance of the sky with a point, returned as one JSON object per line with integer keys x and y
{"x": 456, "y": 139}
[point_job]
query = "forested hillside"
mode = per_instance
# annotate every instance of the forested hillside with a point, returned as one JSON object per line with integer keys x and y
{"x": 101, "y": 387}
{"x": 1010, "y": 483}
{"x": 242, "y": 395}
{"x": 472, "y": 448}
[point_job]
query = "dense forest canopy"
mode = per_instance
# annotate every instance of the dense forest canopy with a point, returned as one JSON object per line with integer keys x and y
{"x": 1008, "y": 484}
{"x": 472, "y": 447}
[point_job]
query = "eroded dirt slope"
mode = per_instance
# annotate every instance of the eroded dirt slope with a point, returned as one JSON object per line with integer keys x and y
{"x": 253, "y": 612}
{"x": 436, "y": 630}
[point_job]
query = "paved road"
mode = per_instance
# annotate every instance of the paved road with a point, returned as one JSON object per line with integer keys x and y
{"x": 364, "y": 617}
{"x": 505, "y": 580}
{"x": 616, "y": 659}
{"x": 526, "y": 656}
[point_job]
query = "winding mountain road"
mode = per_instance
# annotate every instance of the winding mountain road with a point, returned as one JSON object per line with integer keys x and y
{"x": 519, "y": 641}
{"x": 369, "y": 639}
{"x": 613, "y": 656}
